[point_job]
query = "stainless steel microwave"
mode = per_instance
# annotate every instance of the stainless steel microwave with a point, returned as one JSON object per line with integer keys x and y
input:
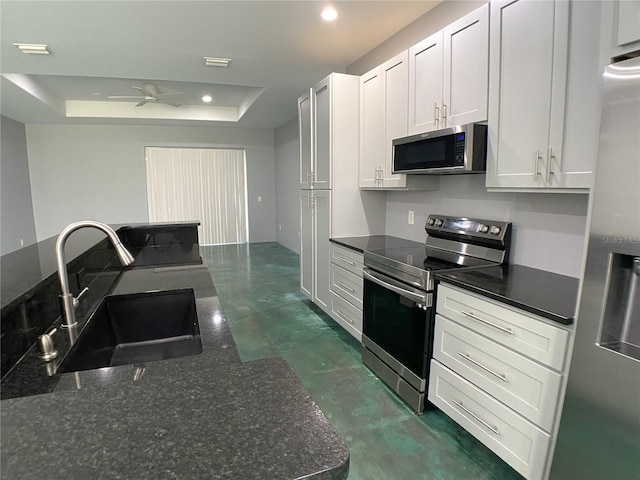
{"x": 459, "y": 149}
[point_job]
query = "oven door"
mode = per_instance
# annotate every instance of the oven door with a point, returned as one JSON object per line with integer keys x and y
{"x": 398, "y": 326}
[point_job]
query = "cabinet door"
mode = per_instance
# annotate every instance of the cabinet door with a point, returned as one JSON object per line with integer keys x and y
{"x": 322, "y": 249}
{"x": 305, "y": 134}
{"x": 306, "y": 243}
{"x": 371, "y": 128}
{"x": 425, "y": 84}
{"x": 521, "y": 96}
{"x": 321, "y": 94}
{"x": 466, "y": 69}
{"x": 395, "y": 87}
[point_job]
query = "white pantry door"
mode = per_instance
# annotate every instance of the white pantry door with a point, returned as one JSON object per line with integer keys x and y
{"x": 204, "y": 184}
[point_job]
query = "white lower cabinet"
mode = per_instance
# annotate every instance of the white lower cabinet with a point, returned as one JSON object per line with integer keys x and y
{"x": 347, "y": 289}
{"x": 499, "y": 371}
{"x": 514, "y": 439}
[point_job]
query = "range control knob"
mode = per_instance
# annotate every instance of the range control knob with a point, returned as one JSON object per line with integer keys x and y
{"x": 430, "y": 221}
{"x": 495, "y": 230}
{"x": 438, "y": 222}
{"x": 483, "y": 228}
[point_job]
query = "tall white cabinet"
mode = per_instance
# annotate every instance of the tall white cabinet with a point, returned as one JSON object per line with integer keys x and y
{"x": 331, "y": 204}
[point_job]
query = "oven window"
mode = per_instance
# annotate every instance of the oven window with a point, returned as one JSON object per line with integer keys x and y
{"x": 397, "y": 325}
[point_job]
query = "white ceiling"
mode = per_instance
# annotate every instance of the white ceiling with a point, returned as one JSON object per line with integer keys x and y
{"x": 278, "y": 49}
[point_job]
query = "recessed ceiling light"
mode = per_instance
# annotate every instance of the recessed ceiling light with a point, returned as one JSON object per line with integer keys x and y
{"x": 206, "y": 98}
{"x": 216, "y": 62}
{"x": 33, "y": 48}
{"x": 329, "y": 13}
{"x": 96, "y": 93}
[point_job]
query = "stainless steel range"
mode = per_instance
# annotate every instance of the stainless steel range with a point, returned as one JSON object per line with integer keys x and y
{"x": 398, "y": 318}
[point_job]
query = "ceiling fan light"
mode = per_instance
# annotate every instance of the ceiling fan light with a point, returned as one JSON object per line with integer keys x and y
{"x": 33, "y": 48}
{"x": 216, "y": 62}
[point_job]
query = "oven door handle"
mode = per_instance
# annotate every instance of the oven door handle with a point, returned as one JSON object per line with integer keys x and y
{"x": 396, "y": 287}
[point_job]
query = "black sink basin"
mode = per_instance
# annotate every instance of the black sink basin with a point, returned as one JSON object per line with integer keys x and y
{"x": 137, "y": 328}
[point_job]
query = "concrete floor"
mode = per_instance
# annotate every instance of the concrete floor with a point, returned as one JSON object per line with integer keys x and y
{"x": 258, "y": 285}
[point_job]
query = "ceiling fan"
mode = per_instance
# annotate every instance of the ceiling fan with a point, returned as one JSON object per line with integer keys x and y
{"x": 150, "y": 93}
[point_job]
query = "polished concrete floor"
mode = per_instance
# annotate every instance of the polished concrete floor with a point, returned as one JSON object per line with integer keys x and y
{"x": 258, "y": 285}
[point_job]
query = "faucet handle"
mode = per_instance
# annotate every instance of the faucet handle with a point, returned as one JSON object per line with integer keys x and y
{"x": 76, "y": 300}
{"x": 45, "y": 342}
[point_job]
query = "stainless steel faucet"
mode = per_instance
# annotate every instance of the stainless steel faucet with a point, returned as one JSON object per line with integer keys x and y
{"x": 67, "y": 300}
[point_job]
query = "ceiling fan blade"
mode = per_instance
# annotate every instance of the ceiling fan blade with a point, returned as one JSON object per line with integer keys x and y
{"x": 169, "y": 102}
{"x": 168, "y": 93}
{"x": 125, "y": 96}
{"x": 143, "y": 102}
{"x": 136, "y": 87}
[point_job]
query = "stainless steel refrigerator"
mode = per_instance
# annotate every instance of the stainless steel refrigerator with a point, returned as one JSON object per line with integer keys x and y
{"x": 599, "y": 435}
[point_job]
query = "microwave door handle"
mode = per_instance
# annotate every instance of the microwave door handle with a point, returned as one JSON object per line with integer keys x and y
{"x": 418, "y": 298}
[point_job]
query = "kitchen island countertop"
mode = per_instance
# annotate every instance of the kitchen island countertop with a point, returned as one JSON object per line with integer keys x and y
{"x": 197, "y": 417}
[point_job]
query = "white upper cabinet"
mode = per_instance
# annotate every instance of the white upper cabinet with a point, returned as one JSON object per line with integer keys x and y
{"x": 383, "y": 117}
{"x": 305, "y": 134}
{"x": 384, "y": 94}
{"x": 626, "y": 26}
{"x": 395, "y": 87}
{"x": 371, "y": 128}
{"x": 466, "y": 69}
{"x": 321, "y": 95}
{"x": 448, "y": 75}
{"x": 537, "y": 120}
{"x": 425, "y": 84}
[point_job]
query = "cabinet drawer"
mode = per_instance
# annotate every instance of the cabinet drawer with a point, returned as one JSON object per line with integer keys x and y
{"x": 517, "y": 441}
{"x": 346, "y": 284}
{"x": 348, "y": 316}
{"x": 522, "y": 384}
{"x": 347, "y": 259}
{"x": 523, "y": 332}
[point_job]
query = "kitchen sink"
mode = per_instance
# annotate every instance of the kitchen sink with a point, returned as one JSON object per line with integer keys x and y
{"x": 137, "y": 328}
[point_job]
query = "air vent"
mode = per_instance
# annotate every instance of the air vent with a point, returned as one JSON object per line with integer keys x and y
{"x": 216, "y": 62}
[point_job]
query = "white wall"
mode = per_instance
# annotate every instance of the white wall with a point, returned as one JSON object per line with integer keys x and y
{"x": 287, "y": 153}
{"x": 98, "y": 172}
{"x": 17, "y": 207}
{"x": 548, "y": 228}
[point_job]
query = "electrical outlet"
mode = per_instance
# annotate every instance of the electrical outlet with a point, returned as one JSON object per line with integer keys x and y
{"x": 259, "y": 199}
{"x": 22, "y": 242}
{"x": 411, "y": 218}
{"x": 280, "y": 227}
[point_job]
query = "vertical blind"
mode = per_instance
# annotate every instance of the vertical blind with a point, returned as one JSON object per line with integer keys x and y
{"x": 208, "y": 185}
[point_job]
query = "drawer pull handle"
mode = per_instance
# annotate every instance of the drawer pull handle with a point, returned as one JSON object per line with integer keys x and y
{"x": 476, "y": 417}
{"x": 467, "y": 357}
{"x": 487, "y": 322}
{"x": 353, "y": 264}
{"x": 345, "y": 286}
{"x": 342, "y": 315}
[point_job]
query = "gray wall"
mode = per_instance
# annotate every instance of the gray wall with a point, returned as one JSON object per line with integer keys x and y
{"x": 17, "y": 206}
{"x": 287, "y": 152}
{"x": 548, "y": 228}
{"x": 98, "y": 172}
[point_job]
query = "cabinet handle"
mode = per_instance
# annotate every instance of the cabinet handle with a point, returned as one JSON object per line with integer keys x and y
{"x": 444, "y": 114}
{"x": 536, "y": 164}
{"x": 467, "y": 357}
{"x": 353, "y": 264}
{"x": 308, "y": 178}
{"x": 487, "y": 322}
{"x": 436, "y": 113}
{"x": 549, "y": 157}
{"x": 342, "y": 315}
{"x": 345, "y": 286}
{"x": 476, "y": 417}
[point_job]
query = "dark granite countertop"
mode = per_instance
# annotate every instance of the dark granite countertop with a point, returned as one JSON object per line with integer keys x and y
{"x": 204, "y": 416}
{"x": 543, "y": 293}
{"x": 374, "y": 242}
